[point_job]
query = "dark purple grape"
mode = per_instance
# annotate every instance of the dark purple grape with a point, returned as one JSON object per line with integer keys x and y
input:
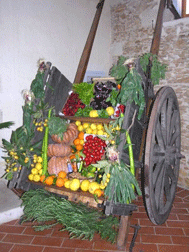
{"x": 98, "y": 87}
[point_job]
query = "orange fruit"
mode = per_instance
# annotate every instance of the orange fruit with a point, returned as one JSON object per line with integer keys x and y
{"x": 42, "y": 178}
{"x": 98, "y": 192}
{"x": 62, "y": 174}
{"x": 81, "y": 135}
{"x": 60, "y": 182}
{"x": 119, "y": 86}
{"x": 72, "y": 157}
{"x": 79, "y": 147}
{"x": 77, "y": 141}
{"x": 49, "y": 180}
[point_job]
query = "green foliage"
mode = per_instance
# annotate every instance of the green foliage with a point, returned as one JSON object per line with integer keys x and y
{"x": 102, "y": 113}
{"x": 79, "y": 220}
{"x": 120, "y": 186}
{"x": 37, "y": 86}
{"x": 85, "y": 91}
{"x": 132, "y": 91}
{"x": 119, "y": 71}
{"x": 57, "y": 126}
{"x": 113, "y": 97}
{"x": 157, "y": 68}
{"x": 83, "y": 112}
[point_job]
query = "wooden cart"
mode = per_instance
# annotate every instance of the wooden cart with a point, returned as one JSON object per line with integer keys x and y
{"x": 156, "y": 139}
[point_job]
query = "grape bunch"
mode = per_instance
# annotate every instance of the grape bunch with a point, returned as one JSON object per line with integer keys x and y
{"x": 72, "y": 105}
{"x": 102, "y": 92}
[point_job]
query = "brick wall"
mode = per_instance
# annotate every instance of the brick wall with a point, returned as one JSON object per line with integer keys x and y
{"x": 132, "y": 32}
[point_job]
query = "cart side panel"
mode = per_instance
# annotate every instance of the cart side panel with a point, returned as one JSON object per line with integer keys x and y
{"x": 56, "y": 94}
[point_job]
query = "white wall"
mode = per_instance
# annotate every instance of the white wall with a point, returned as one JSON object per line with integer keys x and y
{"x": 52, "y": 29}
{"x": 55, "y": 30}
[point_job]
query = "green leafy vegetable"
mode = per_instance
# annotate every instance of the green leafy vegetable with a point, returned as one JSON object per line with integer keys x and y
{"x": 157, "y": 69}
{"x": 57, "y": 126}
{"x": 85, "y": 91}
{"x": 41, "y": 206}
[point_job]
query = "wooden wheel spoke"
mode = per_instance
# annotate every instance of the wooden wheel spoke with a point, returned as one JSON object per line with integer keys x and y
{"x": 167, "y": 189}
{"x": 159, "y": 136}
{"x": 159, "y": 189}
{"x": 173, "y": 126}
{"x": 157, "y": 172}
{"x": 169, "y": 114}
{"x": 163, "y": 119}
{"x": 170, "y": 173}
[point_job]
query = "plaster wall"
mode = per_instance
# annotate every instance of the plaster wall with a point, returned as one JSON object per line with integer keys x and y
{"x": 55, "y": 30}
{"x": 132, "y": 32}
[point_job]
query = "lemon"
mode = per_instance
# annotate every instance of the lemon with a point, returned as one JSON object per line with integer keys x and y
{"x": 30, "y": 176}
{"x": 34, "y": 171}
{"x": 93, "y": 186}
{"x": 39, "y": 159}
{"x": 93, "y": 126}
{"x": 94, "y": 132}
{"x": 100, "y": 132}
{"x": 74, "y": 184}
{"x": 89, "y": 131}
{"x": 36, "y": 178}
{"x": 67, "y": 184}
{"x": 100, "y": 127}
{"x": 110, "y": 111}
{"x": 117, "y": 127}
{"x": 93, "y": 113}
{"x": 85, "y": 185}
{"x": 102, "y": 187}
{"x": 40, "y": 172}
{"x": 38, "y": 166}
{"x": 108, "y": 175}
{"x": 80, "y": 128}
{"x": 78, "y": 123}
{"x": 86, "y": 125}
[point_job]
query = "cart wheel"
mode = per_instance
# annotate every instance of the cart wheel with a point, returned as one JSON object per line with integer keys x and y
{"x": 162, "y": 156}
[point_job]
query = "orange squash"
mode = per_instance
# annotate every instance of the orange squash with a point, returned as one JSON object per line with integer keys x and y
{"x": 57, "y": 164}
{"x": 59, "y": 150}
{"x": 69, "y": 136}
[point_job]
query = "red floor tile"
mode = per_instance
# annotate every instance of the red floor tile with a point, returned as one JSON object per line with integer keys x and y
{"x": 14, "y": 238}
{"x": 5, "y": 247}
{"x": 26, "y": 248}
{"x": 47, "y": 241}
{"x": 172, "y": 236}
{"x": 173, "y": 248}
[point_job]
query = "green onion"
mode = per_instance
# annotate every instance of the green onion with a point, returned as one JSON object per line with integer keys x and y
{"x": 131, "y": 158}
{"x": 45, "y": 146}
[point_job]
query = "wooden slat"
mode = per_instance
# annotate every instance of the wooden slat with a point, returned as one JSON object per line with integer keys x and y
{"x": 57, "y": 90}
{"x": 88, "y": 46}
{"x": 76, "y": 196}
{"x": 158, "y": 28}
{"x": 88, "y": 119}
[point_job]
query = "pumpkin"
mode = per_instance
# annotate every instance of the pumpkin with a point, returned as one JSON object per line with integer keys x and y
{"x": 57, "y": 164}
{"x": 69, "y": 136}
{"x": 59, "y": 150}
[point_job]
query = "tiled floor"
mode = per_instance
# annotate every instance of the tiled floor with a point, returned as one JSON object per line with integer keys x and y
{"x": 173, "y": 236}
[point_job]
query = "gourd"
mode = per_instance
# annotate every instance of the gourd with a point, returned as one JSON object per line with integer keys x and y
{"x": 59, "y": 150}
{"x": 69, "y": 136}
{"x": 57, "y": 164}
